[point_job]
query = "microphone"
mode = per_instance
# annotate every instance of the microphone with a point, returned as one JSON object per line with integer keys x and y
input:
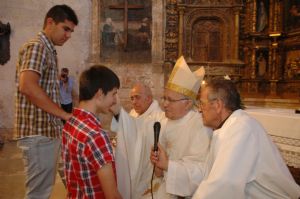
{"x": 156, "y": 128}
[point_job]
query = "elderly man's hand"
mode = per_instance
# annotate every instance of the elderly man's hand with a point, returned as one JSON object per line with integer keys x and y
{"x": 159, "y": 158}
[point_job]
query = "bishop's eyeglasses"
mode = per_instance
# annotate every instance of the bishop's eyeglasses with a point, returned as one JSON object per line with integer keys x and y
{"x": 170, "y": 100}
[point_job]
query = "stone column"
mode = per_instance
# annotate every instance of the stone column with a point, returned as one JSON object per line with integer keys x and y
{"x": 95, "y": 33}
{"x": 158, "y": 28}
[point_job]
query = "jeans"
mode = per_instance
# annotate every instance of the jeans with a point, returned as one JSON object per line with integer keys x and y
{"x": 40, "y": 156}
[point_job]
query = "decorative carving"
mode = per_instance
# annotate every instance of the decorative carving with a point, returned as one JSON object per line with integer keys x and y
{"x": 293, "y": 69}
{"x": 4, "y": 43}
{"x": 208, "y": 2}
{"x": 247, "y": 30}
{"x": 171, "y": 42}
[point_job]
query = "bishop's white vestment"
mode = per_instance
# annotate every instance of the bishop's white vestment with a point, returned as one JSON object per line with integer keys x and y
{"x": 244, "y": 163}
{"x": 186, "y": 142}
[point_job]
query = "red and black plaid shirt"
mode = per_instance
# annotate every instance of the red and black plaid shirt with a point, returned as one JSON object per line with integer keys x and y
{"x": 85, "y": 149}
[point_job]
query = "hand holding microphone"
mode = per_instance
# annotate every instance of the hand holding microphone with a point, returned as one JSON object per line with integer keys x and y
{"x": 154, "y": 155}
{"x": 156, "y": 129}
{"x": 158, "y": 156}
{"x": 154, "y": 152}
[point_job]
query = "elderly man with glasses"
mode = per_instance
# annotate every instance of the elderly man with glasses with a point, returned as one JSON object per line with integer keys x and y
{"x": 243, "y": 162}
{"x": 184, "y": 139}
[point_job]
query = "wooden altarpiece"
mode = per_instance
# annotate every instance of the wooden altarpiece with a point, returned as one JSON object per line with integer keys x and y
{"x": 270, "y": 38}
{"x": 206, "y": 32}
{"x": 255, "y": 42}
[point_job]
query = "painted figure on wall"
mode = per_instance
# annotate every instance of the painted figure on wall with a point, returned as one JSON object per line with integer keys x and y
{"x": 108, "y": 33}
{"x": 140, "y": 39}
{"x": 145, "y": 32}
{"x": 126, "y": 31}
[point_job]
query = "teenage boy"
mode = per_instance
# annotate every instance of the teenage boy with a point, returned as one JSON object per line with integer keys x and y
{"x": 89, "y": 163}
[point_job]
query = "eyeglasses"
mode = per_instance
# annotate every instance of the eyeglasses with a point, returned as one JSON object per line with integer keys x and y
{"x": 202, "y": 103}
{"x": 165, "y": 99}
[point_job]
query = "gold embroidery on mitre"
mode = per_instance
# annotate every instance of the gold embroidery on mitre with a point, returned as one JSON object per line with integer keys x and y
{"x": 181, "y": 90}
{"x": 187, "y": 84}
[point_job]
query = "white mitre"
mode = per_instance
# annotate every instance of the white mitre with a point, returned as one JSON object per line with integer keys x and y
{"x": 183, "y": 80}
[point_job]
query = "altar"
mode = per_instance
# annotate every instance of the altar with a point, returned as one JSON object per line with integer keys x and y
{"x": 283, "y": 125}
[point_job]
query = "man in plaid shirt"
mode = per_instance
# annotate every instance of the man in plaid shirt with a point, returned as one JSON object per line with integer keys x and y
{"x": 38, "y": 114}
{"x": 89, "y": 164}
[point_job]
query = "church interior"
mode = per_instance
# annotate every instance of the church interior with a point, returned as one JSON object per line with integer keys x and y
{"x": 254, "y": 42}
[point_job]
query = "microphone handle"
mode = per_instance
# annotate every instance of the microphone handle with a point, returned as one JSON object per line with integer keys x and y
{"x": 155, "y": 148}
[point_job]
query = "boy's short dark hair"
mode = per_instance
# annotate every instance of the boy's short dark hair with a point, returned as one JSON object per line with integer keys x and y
{"x": 95, "y": 78}
{"x": 59, "y": 13}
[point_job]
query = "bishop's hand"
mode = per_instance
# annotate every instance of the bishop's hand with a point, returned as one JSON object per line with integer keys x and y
{"x": 159, "y": 158}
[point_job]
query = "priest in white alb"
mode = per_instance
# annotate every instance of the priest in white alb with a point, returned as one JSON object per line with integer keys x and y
{"x": 243, "y": 162}
{"x": 134, "y": 140}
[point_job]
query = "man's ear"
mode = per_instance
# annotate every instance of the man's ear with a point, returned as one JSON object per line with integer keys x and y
{"x": 149, "y": 98}
{"x": 189, "y": 104}
{"x": 99, "y": 94}
{"x": 219, "y": 105}
{"x": 50, "y": 21}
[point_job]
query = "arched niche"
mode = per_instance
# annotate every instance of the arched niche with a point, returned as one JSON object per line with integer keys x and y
{"x": 214, "y": 35}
